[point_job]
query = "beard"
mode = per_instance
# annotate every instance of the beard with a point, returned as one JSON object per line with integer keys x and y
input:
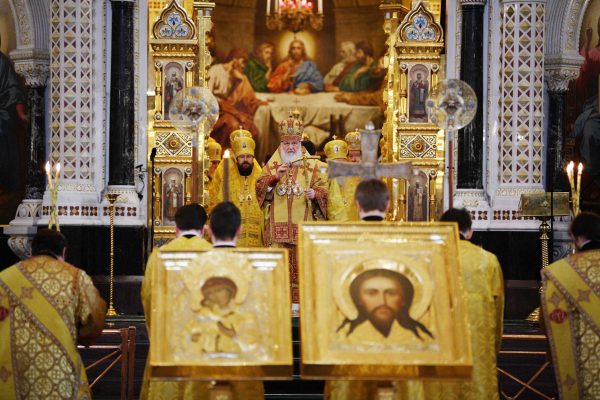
{"x": 289, "y": 157}
{"x": 245, "y": 168}
{"x": 383, "y": 323}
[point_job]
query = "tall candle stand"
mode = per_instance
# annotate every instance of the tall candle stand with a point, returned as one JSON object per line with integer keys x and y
{"x": 112, "y": 198}
{"x": 53, "y": 188}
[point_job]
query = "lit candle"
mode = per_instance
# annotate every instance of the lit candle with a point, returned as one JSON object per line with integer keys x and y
{"x": 226, "y": 175}
{"x": 570, "y": 167}
{"x": 57, "y": 168}
{"x": 320, "y": 10}
{"x": 268, "y": 6}
{"x": 579, "y": 171}
{"x": 49, "y": 175}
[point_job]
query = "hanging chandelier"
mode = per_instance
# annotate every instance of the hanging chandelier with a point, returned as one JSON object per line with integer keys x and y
{"x": 294, "y": 15}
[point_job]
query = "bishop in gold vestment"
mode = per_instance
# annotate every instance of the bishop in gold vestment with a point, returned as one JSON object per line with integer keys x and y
{"x": 337, "y": 149}
{"x": 46, "y": 305}
{"x": 291, "y": 189}
{"x": 243, "y": 174}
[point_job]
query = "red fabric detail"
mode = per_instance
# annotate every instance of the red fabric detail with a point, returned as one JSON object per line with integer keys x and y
{"x": 558, "y": 316}
{"x": 3, "y": 313}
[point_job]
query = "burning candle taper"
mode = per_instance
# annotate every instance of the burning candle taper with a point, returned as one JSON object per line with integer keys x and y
{"x": 226, "y": 159}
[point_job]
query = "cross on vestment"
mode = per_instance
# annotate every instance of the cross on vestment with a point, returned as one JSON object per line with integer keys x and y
{"x": 369, "y": 168}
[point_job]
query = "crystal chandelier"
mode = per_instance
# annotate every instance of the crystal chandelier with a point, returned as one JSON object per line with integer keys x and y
{"x": 294, "y": 15}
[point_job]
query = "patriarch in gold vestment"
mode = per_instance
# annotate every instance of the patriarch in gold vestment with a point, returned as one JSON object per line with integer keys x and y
{"x": 243, "y": 174}
{"x": 292, "y": 188}
{"x": 571, "y": 309}
{"x": 46, "y": 306}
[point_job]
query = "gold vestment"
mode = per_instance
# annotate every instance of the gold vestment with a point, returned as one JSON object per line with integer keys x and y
{"x": 484, "y": 289}
{"x": 571, "y": 309}
{"x": 173, "y": 390}
{"x": 242, "y": 193}
{"x": 284, "y": 205}
{"x": 46, "y": 305}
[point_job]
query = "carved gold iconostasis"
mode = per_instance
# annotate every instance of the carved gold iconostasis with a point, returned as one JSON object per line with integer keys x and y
{"x": 415, "y": 67}
{"x": 402, "y": 50}
{"x": 349, "y": 331}
{"x": 222, "y": 314}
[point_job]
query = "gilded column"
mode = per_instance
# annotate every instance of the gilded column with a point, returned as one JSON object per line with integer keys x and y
{"x": 470, "y": 139}
{"x": 121, "y": 147}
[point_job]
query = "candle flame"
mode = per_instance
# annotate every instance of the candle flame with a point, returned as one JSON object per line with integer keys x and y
{"x": 226, "y": 154}
{"x": 580, "y": 168}
{"x": 570, "y": 167}
{"x": 47, "y": 167}
{"x": 57, "y": 167}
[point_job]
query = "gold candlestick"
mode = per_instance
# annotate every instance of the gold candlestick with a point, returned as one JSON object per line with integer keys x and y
{"x": 53, "y": 188}
{"x": 112, "y": 198}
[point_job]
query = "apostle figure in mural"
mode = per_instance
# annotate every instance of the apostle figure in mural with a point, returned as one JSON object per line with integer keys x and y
{"x": 296, "y": 73}
{"x": 173, "y": 85}
{"x": 12, "y": 109}
{"x": 587, "y": 82}
{"x": 348, "y": 55}
{"x": 359, "y": 75}
{"x": 418, "y": 93}
{"x": 258, "y": 70}
{"x": 237, "y": 99}
{"x": 291, "y": 189}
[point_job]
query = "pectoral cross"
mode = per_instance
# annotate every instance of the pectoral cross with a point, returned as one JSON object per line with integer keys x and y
{"x": 369, "y": 168}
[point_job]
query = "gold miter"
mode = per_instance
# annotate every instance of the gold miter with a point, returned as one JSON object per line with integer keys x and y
{"x": 291, "y": 128}
{"x": 243, "y": 146}
{"x": 213, "y": 150}
{"x": 353, "y": 140}
{"x": 239, "y": 133}
{"x": 336, "y": 149}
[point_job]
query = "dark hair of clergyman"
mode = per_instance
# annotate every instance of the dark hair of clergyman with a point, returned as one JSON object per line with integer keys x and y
{"x": 586, "y": 224}
{"x": 403, "y": 317}
{"x": 48, "y": 242}
{"x": 462, "y": 216}
{"x": 372, "y": 194}
{"x": 225, "y": 220}
{"x": 191, "y": 216}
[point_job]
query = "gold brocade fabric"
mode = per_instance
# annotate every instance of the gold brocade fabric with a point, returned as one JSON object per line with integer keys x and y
{"x": 242, "y": 192}
{"x": 348, "y": 186}
{"x": 571, "y": 308}
{"x": 45, "y": 305}
{"x": 174, "y": 390}
{"x": 483, "y": 283}
{"x": 284, "y": 211}
{"x": 336, "y": 204}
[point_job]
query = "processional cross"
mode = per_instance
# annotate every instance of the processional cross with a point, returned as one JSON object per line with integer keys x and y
{"x": 369, "y": 168}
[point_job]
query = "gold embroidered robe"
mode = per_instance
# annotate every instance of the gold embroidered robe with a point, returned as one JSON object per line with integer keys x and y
{"x": 175, "y": 390}
{"x": 46, "y": 305}
{"x": 484, "y": 287}
{"x": 242, "y": 193}
{"x": 571, "y": 309}
{"x": 283, "y": 212}
{"x": 348, "y": 186}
